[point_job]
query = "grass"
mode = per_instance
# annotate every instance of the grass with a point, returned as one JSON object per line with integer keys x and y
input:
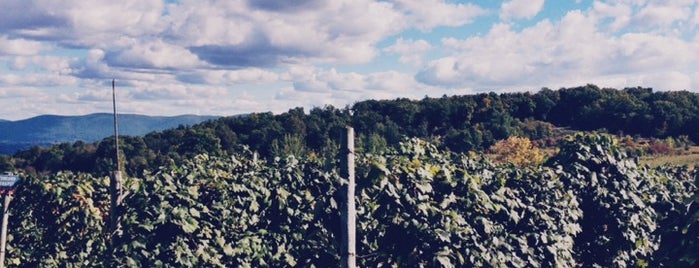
{"x": 688, "y": 158}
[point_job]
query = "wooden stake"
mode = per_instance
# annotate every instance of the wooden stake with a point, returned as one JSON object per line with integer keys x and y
{"x": 349, "y": 213}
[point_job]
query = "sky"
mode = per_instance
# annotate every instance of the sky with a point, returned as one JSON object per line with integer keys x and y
{"x": 216, "y": 57}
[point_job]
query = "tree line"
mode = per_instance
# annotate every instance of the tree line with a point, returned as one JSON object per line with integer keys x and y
{"x": 453, "y": 123}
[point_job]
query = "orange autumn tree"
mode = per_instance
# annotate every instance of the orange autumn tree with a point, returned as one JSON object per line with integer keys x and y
{"x": 518, "y": 151}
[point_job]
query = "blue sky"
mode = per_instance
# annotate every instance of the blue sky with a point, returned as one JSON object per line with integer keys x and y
{"x": 229, "y": 57}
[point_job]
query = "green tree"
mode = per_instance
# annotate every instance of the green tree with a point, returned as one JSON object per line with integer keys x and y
{"x": 518, "y": 151}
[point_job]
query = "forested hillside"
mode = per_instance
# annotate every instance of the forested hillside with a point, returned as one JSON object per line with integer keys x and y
{"x": 453, "y": 123}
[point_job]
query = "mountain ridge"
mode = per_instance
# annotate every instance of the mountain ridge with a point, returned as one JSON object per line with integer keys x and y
{"x": 45, "y": 130}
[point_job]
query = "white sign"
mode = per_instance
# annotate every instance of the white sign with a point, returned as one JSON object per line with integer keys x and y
{"x": 8, "y": 181}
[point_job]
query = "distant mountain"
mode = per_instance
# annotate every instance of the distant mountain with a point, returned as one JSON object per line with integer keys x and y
{"x": 51, "y": 129}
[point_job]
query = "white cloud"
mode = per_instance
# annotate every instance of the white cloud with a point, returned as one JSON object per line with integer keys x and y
{"x": 410, "y": 51}
{"x": 232, "y": 34}
{"x": 298, "y": 72}
{"x": 199, "y": 23}
{"x": 219, "y": 57}
{"x": 81, "y": 23}
{"x": 163, "y": 99}
{"x": 445, "y": 71}
{"x": 20, "y": 47}
{"x": 19, "y": 92}
{"x": 331, "y": 80}
{"x": 695, "y": 19}
{"x": 93, "y": 95}
{"x": 154, "y": 47}
{"x": 20, "y": 102}
{"x": 37, "y": 80}
{"x": 391, "y": 82}
{"x": 150, "y": 92}
{"x": 520, "y": 9}
{"x": 670, "y": 80}
{"x": 428, "y": 14}
{"x": 337, "y": 88}
{"x": 156, "y": 55}
{"x": 663, "y": 15}
{"x": 53, "y": 64}
{"x": 659, "y": 16}
{"x": 38, "y": 71}
{"x": 573, "y": 49}
{"x": 649, "y": 52}
{"x": 695, "y": 80}
{"x": 226, "y": 77}
{"x": 92, "y": 66}
{"x": 619, "y": 13}
{"x": 130, "y": 17}
{"x": 95, "y": 67}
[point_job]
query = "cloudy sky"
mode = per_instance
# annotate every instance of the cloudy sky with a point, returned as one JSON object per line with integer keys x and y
{"x": 216, "y": 57}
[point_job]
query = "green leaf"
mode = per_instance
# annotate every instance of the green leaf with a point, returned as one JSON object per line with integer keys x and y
{"x": 443, "y": 235}
{"x": 194, "y": 212}
{"x": 424, "y": 187}
{"x": 228, "y": 250}
{"x": 444, "y": 261}
{"x": 190, "y": 225}
{"x": 193, "y": 191}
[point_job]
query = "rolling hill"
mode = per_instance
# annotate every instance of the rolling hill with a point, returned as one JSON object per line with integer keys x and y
{"x": 52, "y": 129}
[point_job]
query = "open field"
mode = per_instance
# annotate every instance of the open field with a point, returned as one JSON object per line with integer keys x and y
{"x": 689, "y": 158}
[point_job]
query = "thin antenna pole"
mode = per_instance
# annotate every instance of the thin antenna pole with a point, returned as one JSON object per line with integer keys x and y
{"x": 114, "y": 186}
{"x": 116, "y": 127}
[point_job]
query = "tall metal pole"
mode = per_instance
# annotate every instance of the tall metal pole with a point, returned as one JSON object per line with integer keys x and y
{"x": 3, "y": 236}
{"x": 349, "y": 213}
{"x": 115, "y": 182}
{"x": 116, "y": 126}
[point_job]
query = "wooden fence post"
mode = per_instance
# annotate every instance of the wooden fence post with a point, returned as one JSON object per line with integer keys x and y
{"x": 349, "y": 213}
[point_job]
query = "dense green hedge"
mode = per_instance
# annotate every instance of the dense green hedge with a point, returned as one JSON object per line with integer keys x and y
{"x": 588, "y": 206}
